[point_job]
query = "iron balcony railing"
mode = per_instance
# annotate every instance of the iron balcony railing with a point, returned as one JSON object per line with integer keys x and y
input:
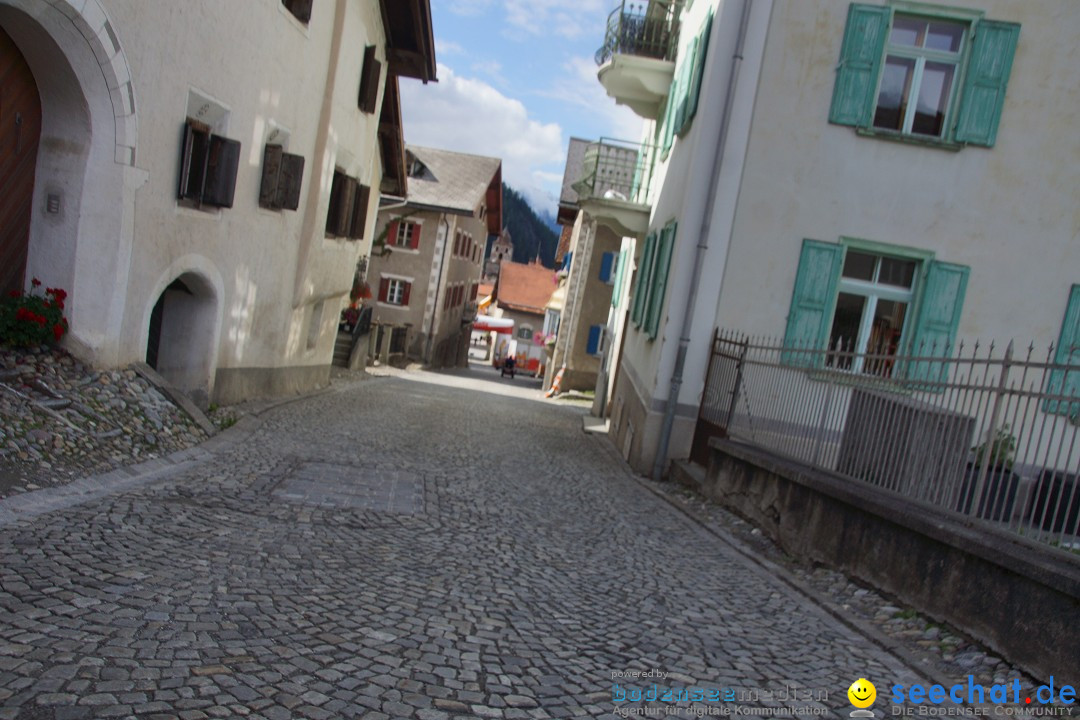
{"x": 616, "y": 170}
{"x": 986, "y": 434}
{"x": 645, "y": 29}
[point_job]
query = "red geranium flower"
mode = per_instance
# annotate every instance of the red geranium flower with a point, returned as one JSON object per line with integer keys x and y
{"x": 58, "y": 331}
{"x": 15, "y": 294}
{"x": 35, "y": 282}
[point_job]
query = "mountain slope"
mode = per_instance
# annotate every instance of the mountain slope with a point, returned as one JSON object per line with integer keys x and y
{"x": 532, "y": 237}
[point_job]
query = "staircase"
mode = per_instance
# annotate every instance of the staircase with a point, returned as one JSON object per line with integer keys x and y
{"x": 343, "y": 349}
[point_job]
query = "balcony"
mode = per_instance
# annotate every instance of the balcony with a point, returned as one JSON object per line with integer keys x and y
{"x": 637, "y": 61}
{"x": 614, "y": 185}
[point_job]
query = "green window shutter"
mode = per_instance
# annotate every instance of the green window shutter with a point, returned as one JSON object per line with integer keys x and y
{"x": 1066, "y": 381}
{"x": 685, "y": 72}
{"x": 620, "y": 274}
{"x": 934, "y": 331}
{"x": 644, "y": 280}
{"x": 860, "y": 60}
{"x": 812, "y": 302}
{"x": 694, "y": 91}
{"x": 659, "y": 281}
{"x": 983, "y": 95}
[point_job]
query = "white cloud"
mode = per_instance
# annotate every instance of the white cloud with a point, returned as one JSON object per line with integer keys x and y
{"x": 446, "y": 47}
{"x": 468, "y": 115}
{"x": 579, "y": 88}
{"x": 569, "y": 18}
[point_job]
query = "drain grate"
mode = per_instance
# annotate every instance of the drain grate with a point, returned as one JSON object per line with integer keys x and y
{"x": 343, "y": 486}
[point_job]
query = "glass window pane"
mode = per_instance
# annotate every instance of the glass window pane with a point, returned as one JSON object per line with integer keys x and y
{"x": 893, "y": 96}
{"x": 944, "y": 36}
{"x": 934, "y": 90}
{"x": 895, "y": 271}
{"x": 859, "y": 266}
{"x": 907, "y": 31}
{"x": 884, "y": 339}
{"x": 845, "y": 329}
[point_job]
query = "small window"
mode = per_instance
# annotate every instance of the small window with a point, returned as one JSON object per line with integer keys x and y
{"x": 404, "y": 234}
{"x": 525, "y": 332}
{"x": 301, "y": 9}
{"x": 370, "y": 74}
{"x": 282, "y": 175}
{"x": 394, "y": 291}
{"x": 347, "y": 214}
{"x": 208, "y": 165}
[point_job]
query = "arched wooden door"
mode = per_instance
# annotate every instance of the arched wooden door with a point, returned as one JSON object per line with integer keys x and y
{"x": 20, "y": 127}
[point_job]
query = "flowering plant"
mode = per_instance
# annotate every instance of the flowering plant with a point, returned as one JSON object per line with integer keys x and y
{"x": 27, "y": 318}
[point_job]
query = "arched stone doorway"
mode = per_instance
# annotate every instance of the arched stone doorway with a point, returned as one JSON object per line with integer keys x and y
{"x": 178, "y": 344}
{"x": 20, "y": 128}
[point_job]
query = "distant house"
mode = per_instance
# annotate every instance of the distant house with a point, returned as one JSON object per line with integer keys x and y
{"x": 522, "y": 295}
{"x": 425, "y": 280}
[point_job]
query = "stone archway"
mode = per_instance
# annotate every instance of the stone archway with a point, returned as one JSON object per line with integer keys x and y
{"x": 179, "y": 345}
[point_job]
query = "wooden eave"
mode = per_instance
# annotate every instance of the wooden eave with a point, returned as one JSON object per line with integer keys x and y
{"x": 494, "y": 203}
{"x": 392, "y": 141}
{"x": 410, "y": 38}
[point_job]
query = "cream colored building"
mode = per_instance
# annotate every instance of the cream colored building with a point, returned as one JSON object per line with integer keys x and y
{"x": 800, "y": 145}
{"x": 207, "y": 174}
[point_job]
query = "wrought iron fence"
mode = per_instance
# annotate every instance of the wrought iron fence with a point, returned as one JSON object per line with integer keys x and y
{"x": 992, "y": 435}
{"x": 645, "y": 29}
{"x": 616, "y": 170}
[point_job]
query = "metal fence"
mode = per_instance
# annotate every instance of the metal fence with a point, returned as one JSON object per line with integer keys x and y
{"x": 616, "y": 170}
{"x": 645, "y": 29}
{"x": 989, "y": 434}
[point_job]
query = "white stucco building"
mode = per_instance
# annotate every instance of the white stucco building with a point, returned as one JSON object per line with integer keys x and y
{"x": 207, "y": 174}
{"x": 889, "y": 174}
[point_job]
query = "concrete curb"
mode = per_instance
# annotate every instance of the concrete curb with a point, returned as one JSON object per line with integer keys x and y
{"x": 865, "y": 629}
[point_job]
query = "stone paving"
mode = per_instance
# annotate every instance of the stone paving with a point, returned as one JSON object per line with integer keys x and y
{"x": 418, "y": 546}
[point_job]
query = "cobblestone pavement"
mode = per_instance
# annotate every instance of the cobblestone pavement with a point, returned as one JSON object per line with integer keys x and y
{"x": 415, "y": 546}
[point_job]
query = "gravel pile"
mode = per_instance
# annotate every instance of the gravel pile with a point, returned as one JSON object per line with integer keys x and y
{"x": 60, "y": 420}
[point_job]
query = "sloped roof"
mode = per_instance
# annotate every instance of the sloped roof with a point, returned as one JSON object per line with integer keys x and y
{"x": 525, "y": 288}
{"x": 452, "y": 181}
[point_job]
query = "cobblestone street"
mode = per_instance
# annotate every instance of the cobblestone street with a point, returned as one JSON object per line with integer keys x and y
{"x": 417, "y": 545}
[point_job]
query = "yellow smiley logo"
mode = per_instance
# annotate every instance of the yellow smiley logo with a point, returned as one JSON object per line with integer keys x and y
{"x": 862, "y": 693}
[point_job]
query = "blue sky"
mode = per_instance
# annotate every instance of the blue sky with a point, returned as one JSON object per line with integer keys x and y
{"x": 517, "y": 79}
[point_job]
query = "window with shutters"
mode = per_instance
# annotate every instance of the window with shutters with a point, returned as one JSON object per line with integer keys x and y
{"x": 394, "y": 291}
{"x": 346, "y": 216}
{"x": 1065, "y": 377}
{"x": 652, "y": 280}
{"x": 865, "y": 303}
{"x": 281, "y": 178}
{"x": 208, "y": 165}
{"x": 921, "y": 72}
{"x": 404, "y": 234}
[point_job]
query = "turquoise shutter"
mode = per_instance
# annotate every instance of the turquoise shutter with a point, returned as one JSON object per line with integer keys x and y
{"x": 812, "y": 302}
{"x": 644, "y": 280}
{"x": 659, "y": 283}
{"x": 860, "y": 60}
{"x": 620, "y": 275}
{"x": 940, "y": 303}
{"x": 983, "y": 95}
{"x": 694, "y": 91}
{"x": 1066, "y": 381}
{"x": 685, "y": 72}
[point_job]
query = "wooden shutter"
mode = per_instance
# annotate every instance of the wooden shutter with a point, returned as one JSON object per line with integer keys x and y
{"x": 358, "y": 218}
{"x": 337, "y": 201}
{"x": 221, "y": 166}
{"x": 940, "y": 303}
{"x": 659, "y": 281}
{"x": 414, "y": 237}
{"x": 301, "y": 9}
{"x": 384, "y": 289}
{"x": 1067, "y": 381}
{"x": 694, "y": 91}
{"x": 292, "y": 176}
{"x": 370, "y": 74}
{"x": 271, "y": 175}
{"x": 644, "y": 280}
{"x": 194, "y": 152}
{"x": 392, "y": 232}
{"x": 473, "y": 291}
{"x": 596, "y": 332}
{"x": 983, "y": 95}
{"x": 406, "y": 290}
{"x": 620, "y": 276}
{"x": 860, "y": 58}
{"x": 812, "y": 302}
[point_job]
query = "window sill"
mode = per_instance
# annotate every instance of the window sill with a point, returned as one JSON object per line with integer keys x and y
{"x": 910, "y": 139}
{"x": 407, "y": 250}
{"x": 380, "y": 303}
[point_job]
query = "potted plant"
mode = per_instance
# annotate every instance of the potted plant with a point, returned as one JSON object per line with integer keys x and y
{"x": 993, "y": 460}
